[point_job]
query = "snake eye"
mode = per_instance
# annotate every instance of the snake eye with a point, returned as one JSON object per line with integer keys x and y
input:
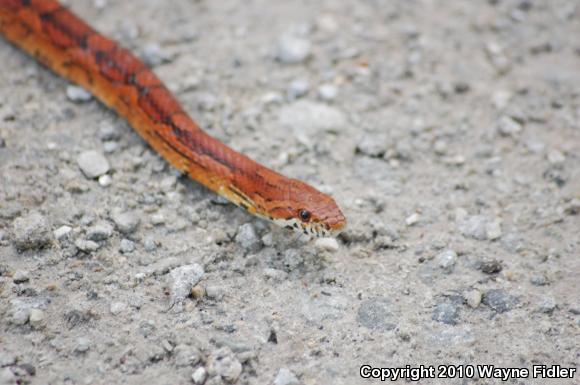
{"x": 304, "y": 215}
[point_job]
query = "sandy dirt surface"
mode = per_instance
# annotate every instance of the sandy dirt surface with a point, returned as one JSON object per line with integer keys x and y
{"x": 448, "y": 131}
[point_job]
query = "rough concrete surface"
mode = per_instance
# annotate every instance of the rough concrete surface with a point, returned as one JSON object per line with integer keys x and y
{"x": 448, "y": 131}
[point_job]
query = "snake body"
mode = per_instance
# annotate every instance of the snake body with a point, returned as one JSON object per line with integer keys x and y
{"x": 67, "y": 45}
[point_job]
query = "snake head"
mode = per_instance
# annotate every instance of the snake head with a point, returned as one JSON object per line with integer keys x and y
{"x": 313, "y": 212}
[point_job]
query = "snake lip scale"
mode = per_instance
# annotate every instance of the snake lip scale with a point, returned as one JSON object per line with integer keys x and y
{"x": 63, "y": 42}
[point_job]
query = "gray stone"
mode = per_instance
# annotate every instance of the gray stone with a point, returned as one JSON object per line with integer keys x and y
{"x": 286, "y": 377}
{"x": 83, "y": 345}
{"x": 447, "y": 260}
{"x": 214, "y": 292}
{"x": 547, "y": 305}
{"x": 376, "y": 314}
{"x": 224, "y": 363}
{"x": 117, "y": 308}
{"x": 480, "y": 227}
{"x": 491, "y": 267}
{"x": 36, "y": 318}
{"x": 108, "y": 132}
{"x": 19, "y": 313}
{"x": 186, "y": 355}
{"x": 183, "y": 279}
{"x": 126, "y": 246}
{"x": 154, "y": 55}
{"x": 446, "y": 312}
{"x": 21, "y": 276}
{"x": 100, "y": 232}
{"x": 93, "y": 164}
{"x": 7, "y": 377}
{"x": 292, "y": 49}
{"x": 298, "y": 88}
{"x": 149, "y": 244}
{"x": 31, "y": 232}
{"x": 126, "y": 222}
{"x": 77, "y": 94}
{"x": 507, "y": 126}
{"x": 199, "y": 375}
{"x": 305, "y": 118}
{"x": 372, "y": 144}
{"x": 62, "y": 232}
{"x": 247, "y": 237}
{"x": 539, "y": 280}
{"x": 293, "y": 259}
{"x": 499, "y": 301}
{"x": 556, "y": 157}
{"x": 327, "y": 92}
{"x": 86, "y": 245}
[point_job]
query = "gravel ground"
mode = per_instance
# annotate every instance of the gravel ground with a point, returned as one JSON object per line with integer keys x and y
{"x": 449, "y": 132}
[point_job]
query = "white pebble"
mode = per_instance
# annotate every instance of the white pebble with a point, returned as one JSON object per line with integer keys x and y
{"x": 62, "y": 232}
{"x": 93, "y": 164}
{"x": 293, "y": 50}
{"x": 199, "y": 375}
{"x": 78, "y": 94}
{"x": 328, "y": 244}
{"x": 412, "y": 219}
{"x": 327, "y": 92}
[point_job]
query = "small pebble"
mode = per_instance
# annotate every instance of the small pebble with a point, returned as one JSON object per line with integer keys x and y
{"x": 19, "y": 314}
{"x": 286, "y": 377}
{"x": 117, "y": 308}
{"x": 327, "y": 92}
{"x": 539, "y": 280}
{"x": 304, "y": 118}
{"x": 62, "y": 232}
{"x": 372, "y": 144}
{"x": 412, "y": 219}
{"x": 292, "y": 49}
{"x": 224, "y": 363}
{"x": 100, "y": 231}
{"x": 21, "y": 276}
{"x": 126, "y": 222}
{"x": 214, "y": 292}
{"x": 547, "y": 305}
{"x": 7, "y": 377}
{"x": 149, "y": 245}
{"x": 105, "y": 180}
{"x": 507, "y": 126}
{"x": 36, "y": 318}
{"x": 446, "y": 312}
{"x": 183, "y": 279}
{"x": 298, "y": 88}
{"x": 473, "y": 298}
{"x": 376, "y": 314}
{"x": 491, "y": 267}
{"x": 199, "y": 375}
{"x": 108, "y": 131}
{"x": 499, "y": 301}
{"x": 247, "y": 237}
{"x": 31, "y": 232}
{"x": 556, "y": 157}
{"x": 157, "y": 219}
{"x": 153, "y": 55}
{"x": 186, "y": 355}
{"x": 77, "y": 94}
{"x": 327, "y": 244}
{"x": 93, "y": 164}
{"x": 126, "y": 246}
{"x": 86, "y": 246}
{"x": 446, "y": 260}
{"x": 83, "y": 345}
